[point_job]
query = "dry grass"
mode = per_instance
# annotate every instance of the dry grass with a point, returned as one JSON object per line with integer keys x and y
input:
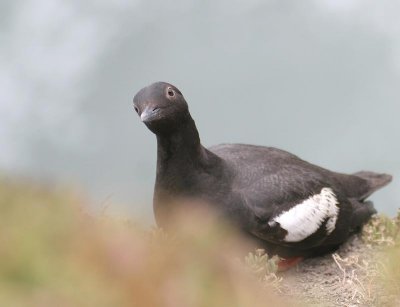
{"x": 384, "y": 231}
{"x": 360, "y": 276}
{"x": 382, "y": 234}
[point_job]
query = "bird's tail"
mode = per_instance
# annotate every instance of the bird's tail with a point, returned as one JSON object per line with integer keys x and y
{"x": 375, "y": 181}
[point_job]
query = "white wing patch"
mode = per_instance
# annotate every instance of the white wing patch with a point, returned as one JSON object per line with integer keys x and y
{"x": 305, "y": 218}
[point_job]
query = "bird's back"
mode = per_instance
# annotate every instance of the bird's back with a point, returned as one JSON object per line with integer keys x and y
{"x": 284, "y": 175}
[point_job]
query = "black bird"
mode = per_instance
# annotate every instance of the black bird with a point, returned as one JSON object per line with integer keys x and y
{"x": 291, "y": 207}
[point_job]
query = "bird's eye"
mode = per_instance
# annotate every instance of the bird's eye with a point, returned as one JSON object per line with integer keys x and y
{"x": 137, "y": 110}
{"x": 170, "y": 92}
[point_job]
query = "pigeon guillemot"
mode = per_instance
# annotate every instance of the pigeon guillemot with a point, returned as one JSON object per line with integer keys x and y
{"x": 291, "y": 207}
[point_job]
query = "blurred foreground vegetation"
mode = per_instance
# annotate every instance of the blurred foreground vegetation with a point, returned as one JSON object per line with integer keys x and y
{"x": 54, "y": 254}
{"x": 384, "y": 232}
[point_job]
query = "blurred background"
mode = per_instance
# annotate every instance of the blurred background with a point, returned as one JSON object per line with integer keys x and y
{"x": 317, "y": 78}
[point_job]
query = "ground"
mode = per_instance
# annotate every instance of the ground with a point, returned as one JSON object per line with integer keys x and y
{"x": 349, "y": 277}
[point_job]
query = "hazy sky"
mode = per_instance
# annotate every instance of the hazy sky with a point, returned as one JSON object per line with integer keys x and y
{"x": 317, "y": 78}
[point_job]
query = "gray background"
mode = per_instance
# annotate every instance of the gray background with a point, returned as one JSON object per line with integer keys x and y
{"x": 317, "y": 78}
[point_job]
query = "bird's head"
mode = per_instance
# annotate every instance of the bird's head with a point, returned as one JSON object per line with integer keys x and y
{"x": 161, "y": 106}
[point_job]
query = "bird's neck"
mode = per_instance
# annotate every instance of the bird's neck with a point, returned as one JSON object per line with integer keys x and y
{"x": 180, "y": 148}
{"x": 185, "y": 171}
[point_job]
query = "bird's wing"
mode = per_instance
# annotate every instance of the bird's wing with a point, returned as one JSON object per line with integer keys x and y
{"x": 293, "y": 205}
{"x": 289, "y": 200}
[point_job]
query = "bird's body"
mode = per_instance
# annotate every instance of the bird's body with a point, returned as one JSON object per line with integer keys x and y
{"x": 291, "y": 207}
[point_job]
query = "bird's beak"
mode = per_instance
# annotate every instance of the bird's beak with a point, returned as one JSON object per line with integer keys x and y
{"x": 148, "y": 114}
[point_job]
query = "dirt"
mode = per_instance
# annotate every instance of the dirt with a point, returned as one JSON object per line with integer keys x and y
{"x": 349, "y": 277}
